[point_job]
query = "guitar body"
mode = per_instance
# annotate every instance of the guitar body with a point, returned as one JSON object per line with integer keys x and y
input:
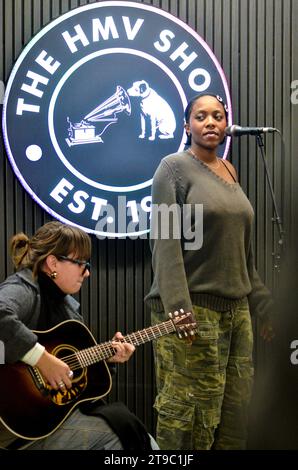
{"x": 31, "y": 409}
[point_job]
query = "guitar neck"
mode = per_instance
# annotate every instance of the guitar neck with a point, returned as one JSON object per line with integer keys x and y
{"x": 148, "y": 334}
{"x": 103, "y": 351}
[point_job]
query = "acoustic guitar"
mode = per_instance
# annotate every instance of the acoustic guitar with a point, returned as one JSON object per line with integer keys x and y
{"x": 31, "y": 409}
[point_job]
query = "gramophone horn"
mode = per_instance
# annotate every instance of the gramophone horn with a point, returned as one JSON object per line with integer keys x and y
{"x": 117, "y": 103}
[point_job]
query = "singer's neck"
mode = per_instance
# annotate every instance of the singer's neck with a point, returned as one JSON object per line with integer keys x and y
{"x": 205, "y": 155}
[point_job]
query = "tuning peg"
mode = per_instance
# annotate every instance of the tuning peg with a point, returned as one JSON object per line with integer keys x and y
{"x": 170, "y": 315}
{"x": 176, "y": 313}
{"x": 181, "y": 310}
{"x": 180, "y": 335}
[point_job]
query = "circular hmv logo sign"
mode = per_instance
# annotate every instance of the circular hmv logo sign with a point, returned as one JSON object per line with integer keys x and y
{"x": 93, "y": 104}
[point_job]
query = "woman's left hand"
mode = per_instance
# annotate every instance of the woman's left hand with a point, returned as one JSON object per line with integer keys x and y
{"x": 123, "y": 350}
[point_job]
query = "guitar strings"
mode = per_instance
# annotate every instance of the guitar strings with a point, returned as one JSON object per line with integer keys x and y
{"x": 105, "y": 350}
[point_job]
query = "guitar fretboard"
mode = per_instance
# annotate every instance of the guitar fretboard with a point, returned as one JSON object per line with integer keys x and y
{"x": 94, "y": 354}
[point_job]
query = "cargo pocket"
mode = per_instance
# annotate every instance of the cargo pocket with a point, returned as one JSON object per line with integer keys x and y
{"x": 205, "y": 430}
{"x": 210, "y": 418}
{"x": 175, "y": 423}
{"x": 239, "y": 379}
{"x": 203, "y": 355}
{"x": 244, "y": 368}
{"x": 207, "y": 331}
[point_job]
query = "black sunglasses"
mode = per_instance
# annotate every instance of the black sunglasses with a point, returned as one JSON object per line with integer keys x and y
{"x": 80, "y": 262}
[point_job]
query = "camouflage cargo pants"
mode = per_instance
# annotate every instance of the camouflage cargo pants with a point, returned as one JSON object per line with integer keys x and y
{"x": 204, "y": 388}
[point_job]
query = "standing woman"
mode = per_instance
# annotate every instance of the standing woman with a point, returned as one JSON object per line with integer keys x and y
{"x": 51, "y": 266}
{"x": 204, "y": 388}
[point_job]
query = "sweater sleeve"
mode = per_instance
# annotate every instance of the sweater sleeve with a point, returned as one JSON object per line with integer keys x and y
{"x": 15, "y": 303}
{"x": 170, "y": 283}
{"x": 260, "y": 299}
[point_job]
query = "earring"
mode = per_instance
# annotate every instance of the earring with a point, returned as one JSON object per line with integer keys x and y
{"x": 53, "y": 275}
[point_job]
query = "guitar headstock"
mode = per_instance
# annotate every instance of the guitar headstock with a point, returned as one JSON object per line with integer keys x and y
{"x": 184, "y": 323}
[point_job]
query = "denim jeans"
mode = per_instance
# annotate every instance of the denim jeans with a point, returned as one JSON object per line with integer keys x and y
{"x": 80, "y": 432}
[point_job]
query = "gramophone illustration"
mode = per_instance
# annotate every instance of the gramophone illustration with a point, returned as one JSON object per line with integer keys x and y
{"x": 103, "y": 115}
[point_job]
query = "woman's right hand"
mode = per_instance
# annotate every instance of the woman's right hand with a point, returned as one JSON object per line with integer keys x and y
{"x": 55, "y": 371}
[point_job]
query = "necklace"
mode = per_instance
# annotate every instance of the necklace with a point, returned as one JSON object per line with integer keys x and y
{"x": 213, "y": 167}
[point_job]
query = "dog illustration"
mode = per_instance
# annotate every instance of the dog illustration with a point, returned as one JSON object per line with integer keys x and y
{"x": 156, "y": 114}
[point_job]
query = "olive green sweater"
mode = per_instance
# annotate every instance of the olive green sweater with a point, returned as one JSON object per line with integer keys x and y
{"x": 220, "y": 272}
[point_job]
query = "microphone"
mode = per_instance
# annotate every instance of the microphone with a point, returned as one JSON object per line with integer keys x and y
{"x": 238, "y": 131}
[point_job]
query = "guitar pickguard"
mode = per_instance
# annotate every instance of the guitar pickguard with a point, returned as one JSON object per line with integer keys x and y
{"x": 79, "y": 380}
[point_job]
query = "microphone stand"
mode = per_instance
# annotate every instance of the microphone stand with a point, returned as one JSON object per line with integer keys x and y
{"x": 276, "y": 219}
